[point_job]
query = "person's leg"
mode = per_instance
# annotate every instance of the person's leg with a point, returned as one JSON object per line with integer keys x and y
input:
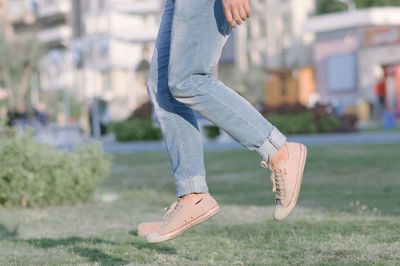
{"x": 199, "y": 32}
{"x": 184, "y": 145}
{"x": 177, "y": 121}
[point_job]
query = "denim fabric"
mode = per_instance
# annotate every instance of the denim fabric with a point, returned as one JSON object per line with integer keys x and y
{"x": 189, "y": 44}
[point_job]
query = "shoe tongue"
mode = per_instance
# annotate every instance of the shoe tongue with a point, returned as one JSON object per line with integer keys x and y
{"x": 278, "y": 165}
{"x": 281, "y": 163}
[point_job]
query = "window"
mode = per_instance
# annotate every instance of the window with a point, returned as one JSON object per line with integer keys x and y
{"x": 104, "y": 46}
{"x": 341, "y": 72}
{"x": 106, "y": 80}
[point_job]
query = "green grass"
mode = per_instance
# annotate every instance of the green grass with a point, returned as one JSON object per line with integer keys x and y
{"x": 348, "y": 214}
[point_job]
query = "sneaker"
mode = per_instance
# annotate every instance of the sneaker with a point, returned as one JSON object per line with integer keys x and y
{"x": 286, "y": 179}
{"x": 184, "y": 214}
{"x": 145, "y": 229}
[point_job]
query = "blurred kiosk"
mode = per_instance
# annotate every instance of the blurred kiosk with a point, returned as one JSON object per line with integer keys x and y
{"x": 351, "y": 52}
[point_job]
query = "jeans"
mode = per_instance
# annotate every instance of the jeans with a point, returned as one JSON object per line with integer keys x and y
{"x": 189, "y": 44}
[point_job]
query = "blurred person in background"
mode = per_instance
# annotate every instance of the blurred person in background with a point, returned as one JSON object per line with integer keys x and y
{"x": 181, "y": 81}
{"x": 380, "y": 92}
{"x": 40, "y": 115}
{"x": 99, "y": 112}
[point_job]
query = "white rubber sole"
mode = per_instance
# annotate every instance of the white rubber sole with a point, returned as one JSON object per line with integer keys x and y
{"x": 155, "y": 238}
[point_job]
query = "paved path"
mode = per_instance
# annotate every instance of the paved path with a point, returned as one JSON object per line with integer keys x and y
{"x": 311, "y": 140}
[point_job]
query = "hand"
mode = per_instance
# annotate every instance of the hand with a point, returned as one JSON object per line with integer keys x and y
{"x": 236, "y": 11}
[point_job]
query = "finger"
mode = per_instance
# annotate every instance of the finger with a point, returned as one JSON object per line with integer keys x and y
{"x": 242, "y": 13}
{"x": 229, "y": 17}
{"x": 247, "y": 8}
{"x": 236, "y": 15}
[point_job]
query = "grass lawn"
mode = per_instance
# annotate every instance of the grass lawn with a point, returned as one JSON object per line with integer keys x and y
{"x": 348, "y": 214}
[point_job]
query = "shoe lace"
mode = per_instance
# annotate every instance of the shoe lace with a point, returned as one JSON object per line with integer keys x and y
{"x": 171, "y": 211}
{"x": 277, "y": 179}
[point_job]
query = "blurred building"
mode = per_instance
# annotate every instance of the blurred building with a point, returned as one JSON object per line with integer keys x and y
{"x": 101, "y": 48}
{"x": 118, "y": 40}
{"x": 352, "y": 51}
{"x": 287, "y": 45}
{"x": 91, "y": 48}
{"x": 50, "y": 22}
{"x": 56, "y": 32}
{"x": 273, "y": 39}
{"x": 17, "y": 22}
{"x": 17, "y": 18}
{"x": 3, "y": 13}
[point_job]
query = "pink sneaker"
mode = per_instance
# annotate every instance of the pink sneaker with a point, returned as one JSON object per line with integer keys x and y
{"x": 145, "y": 229}
{"x": 286, "y": 179}
{"x": 184, "y": 214}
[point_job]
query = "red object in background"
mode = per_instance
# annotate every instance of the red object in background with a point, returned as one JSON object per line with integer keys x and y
{"x": 398, "y": 88}
{"x": 380, "y": 89}
{"x": 392, "y": 73}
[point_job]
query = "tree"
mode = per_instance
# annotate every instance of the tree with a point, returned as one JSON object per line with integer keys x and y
{"x": 329, "y": 6}
{"x": 18, "y": 65}
{"x": 371, "y": 3}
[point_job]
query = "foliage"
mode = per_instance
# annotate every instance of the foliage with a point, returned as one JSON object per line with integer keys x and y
{"x": 297, "y": 123}
{"x": 136, "y": 129}
{"x": 19, "y": 64}
{"x": 371, "y": 3}
{"x": 212, "y": 131}
{"x": 37, "y": 175}
{"x": 304, "y": 123}
{"x": 297, "y": 119}
{"x": 329, "y": 6}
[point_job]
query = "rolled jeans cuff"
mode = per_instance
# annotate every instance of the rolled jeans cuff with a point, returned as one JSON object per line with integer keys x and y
{"x": 274, "y": 142}
{"x": 195, "y": 184}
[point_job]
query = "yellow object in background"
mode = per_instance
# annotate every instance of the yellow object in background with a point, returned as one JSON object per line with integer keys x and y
{"x": 289, "y": 86}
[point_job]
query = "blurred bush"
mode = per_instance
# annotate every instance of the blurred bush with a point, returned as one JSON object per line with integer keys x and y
{"x": 212, "y": 132}
{"x": 294, "y": 123}
{"x": 348, "y": 123}
{"x": 37, "y": 175}
{"x": 136, "y": 129}
{"x": 298, "y": 119}
{"x": 289, "y": 118}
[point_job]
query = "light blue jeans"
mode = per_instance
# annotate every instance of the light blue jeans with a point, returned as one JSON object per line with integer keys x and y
{"x": 189, "y": 44}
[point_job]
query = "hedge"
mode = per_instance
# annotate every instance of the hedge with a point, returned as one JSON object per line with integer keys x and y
{"x": 136, "y": 129}
{"x": 34, "y": 174}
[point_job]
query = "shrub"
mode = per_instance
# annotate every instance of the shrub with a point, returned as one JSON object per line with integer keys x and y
{"x": 212, "y": 132}
{"x": 348, "y": 122}
{"x": 37, "y": 175}
{"x": 297, "y": 119}
{"x": 294, "y": 123}
{"x": 136, "y": 129}
{"x": 328, "y": 123}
